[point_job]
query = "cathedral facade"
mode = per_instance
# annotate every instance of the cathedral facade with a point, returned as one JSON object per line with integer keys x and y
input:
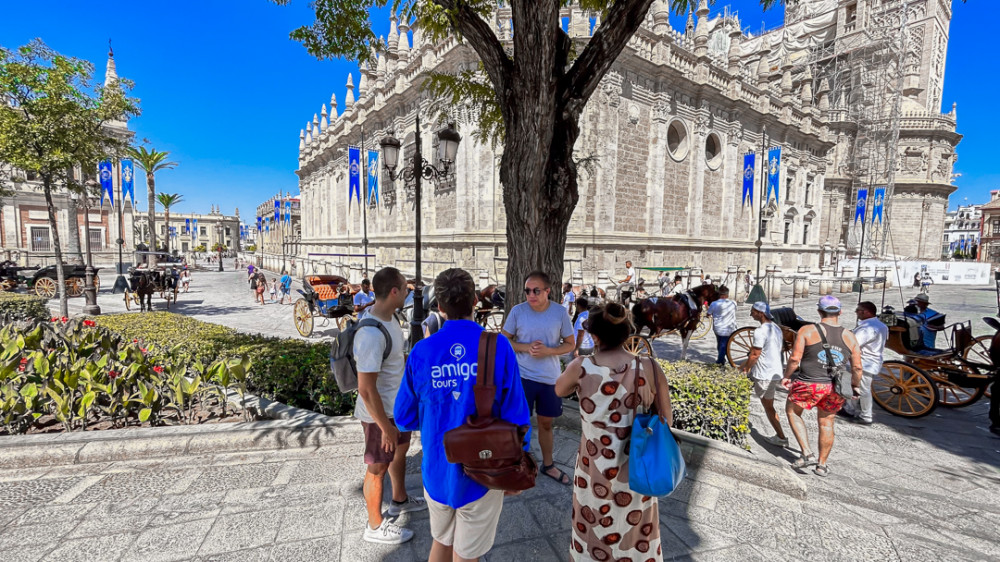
{"x": 662, "y": 147}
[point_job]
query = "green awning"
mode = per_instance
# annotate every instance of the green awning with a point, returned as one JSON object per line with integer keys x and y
{"x": 664, "y": 268}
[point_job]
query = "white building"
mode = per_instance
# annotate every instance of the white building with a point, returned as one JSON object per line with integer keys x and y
{"x": 962, "y": 230}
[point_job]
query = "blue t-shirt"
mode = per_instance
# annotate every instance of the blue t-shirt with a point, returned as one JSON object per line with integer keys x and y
{"x": 436, "y": 396}
{"x": 929, "y": 336}
{"x": 550, "y": 326}
{"x": 286, "y": 282}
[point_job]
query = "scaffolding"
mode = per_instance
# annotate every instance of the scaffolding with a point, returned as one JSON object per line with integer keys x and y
{"x": 862, "y": 72}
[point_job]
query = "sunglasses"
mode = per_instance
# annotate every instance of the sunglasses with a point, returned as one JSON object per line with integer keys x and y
{"x": 536, "y": 291}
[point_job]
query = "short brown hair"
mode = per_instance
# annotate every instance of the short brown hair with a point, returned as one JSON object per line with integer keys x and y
{"x": 385, "y": 280}
{"x": 541, "y": 276}
{"x": 611, "y": 324}
{"x": 455, "y": 292}
{"x": 869, "y": 307}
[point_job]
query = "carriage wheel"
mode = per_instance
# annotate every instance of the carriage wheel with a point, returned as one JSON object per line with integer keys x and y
{"x": 704, "y": 327}
{"x": 7, "y": 285}
{"x": 303, "y": 318}
{"x": 494, "y": 321}
{"x": 74, "y": 287}
{"x": 45, "y": 287}
{"x": 950, "y": 395}
{"x": 979, "y": 352}
{"x": 639, "y": 346}
{"x": 904, "y": 390}
{"x": 129, "y": 295}
{"x": 738, "y": 348}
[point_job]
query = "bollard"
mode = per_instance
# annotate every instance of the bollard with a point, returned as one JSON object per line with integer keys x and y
{"x": 847, "y": 278}
{"x": 801, "y": 286}
{"x": 865, "y": 274}
{"x": 826, "y": 280}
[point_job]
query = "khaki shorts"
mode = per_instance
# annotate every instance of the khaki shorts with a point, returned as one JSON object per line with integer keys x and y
{"x": 765, "y": 389}
{"x": 470, "y": 529}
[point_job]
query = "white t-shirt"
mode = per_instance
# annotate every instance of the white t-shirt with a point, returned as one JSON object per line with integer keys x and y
{"x": 630, "y": 273}
{"x": 568, "y": 299}
{"x": 369, "y": 344}
{"x": 767, "y": 337}
{"x": 586, "y": 342}
{"x": 362, "y": 298}
{"x": 871, "y": 335}
{"x": 723, "y": 313}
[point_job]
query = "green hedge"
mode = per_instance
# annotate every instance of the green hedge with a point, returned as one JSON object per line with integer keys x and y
{"x": 291, "y": 371}
{"x": 17, "y": 306}
{"x": 710, "y": 400}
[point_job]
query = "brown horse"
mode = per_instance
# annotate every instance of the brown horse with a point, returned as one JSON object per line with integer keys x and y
{"x": 663, "y": 314}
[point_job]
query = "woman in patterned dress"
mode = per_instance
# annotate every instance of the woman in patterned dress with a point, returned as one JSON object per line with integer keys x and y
{"x": 610, "y": 521}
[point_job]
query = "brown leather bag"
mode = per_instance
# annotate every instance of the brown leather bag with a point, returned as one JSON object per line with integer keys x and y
{"x": 490, "y": 450}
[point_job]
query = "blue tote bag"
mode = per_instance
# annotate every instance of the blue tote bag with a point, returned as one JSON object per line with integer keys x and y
{"x": 655, "y": 465}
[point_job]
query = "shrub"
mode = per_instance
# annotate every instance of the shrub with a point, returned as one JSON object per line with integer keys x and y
{"x": 16, "y": 307}
{"x": 710, "y": 400}
{"x": 80, "y": 374}
{"x": 291, "y": 371}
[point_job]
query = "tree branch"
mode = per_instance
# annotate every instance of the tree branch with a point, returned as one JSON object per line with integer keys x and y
{"x": 623, "y": 19}
{"x": 484, "y": 41}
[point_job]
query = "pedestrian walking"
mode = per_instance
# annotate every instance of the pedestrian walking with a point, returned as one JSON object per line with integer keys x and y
{"x": 568, "y": 298}
{"x": 610, "y": 521}
{"x": 810, "y": 384}
{"x": 286, "y": 287}
{"x": 925, "y": 284}
{"x": 540, "y": 331}
{"x": 723, "y": 312}
{"x": 260, "y": 286}
{"x": 764, "y": 367}
{"x": 274, "y": 289}
{"x": 186, "y": 279}
{"x": 584, "y": 343}
{"x": 364, "y": 299}
{"x": 435, "y": 319}
{"x": 378, "y": 384}
{"x": 871, "y": 334}
{"x": 916, "y": 279}
{"x": 436, "y": 396}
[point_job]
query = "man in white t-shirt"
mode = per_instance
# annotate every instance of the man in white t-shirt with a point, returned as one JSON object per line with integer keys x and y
{"x": 765, "y": 368}
{"x": 723, "y": 313}
{"x": 627, "y": 285}
{"x": 378, "y": 384}
{"x": 364, "y": 299}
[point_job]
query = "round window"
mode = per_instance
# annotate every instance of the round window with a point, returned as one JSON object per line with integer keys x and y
{"x": 677, "y": 140}
{"x": 713, "y": 151}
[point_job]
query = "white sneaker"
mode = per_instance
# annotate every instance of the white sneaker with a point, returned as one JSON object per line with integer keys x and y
{"x": 411, "y": 504}
{"x": 776, "y": 441}
{"x": 387, "y": 533}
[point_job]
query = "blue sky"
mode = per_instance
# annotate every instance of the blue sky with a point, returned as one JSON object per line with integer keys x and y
{"x": 226, "y": 91}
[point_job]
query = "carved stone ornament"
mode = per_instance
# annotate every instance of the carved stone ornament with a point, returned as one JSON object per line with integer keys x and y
{"x": 661, "y": 111}
{"x": 611, "y": 90}
{"x": 633, "y": 113}
{"x": 701, "y": 125}
{"x": 736, "y": 137}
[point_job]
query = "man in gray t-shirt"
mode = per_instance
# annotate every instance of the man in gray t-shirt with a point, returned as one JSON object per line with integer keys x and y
{"x": 540, "y": 331}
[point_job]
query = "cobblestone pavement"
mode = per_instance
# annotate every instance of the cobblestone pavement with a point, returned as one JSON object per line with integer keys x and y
{"x": 901, "y": 489}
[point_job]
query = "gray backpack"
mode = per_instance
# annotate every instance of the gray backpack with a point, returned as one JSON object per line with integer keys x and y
{"x": 345, "y": 369}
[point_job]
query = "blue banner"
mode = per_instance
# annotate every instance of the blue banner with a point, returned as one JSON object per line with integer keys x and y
{"x": 128, "y": 187}
{"x": 277, "y": 209}
{"x": 107, "y": 185}
{"x": 773, "y": 172}
{"x": 267, "y": 225}
{"x": 288, "y": 212}
{"x": 259, "y": 220}
{"x": 354, "y": 166}
{"x": 194, "y": 228}
{"x": 372, "y": 176}
{"x": 862, "y": 206}
{"x": 878, "y": 204}
{"x": 749, "y": 161}
{"x": 187, "y": 226}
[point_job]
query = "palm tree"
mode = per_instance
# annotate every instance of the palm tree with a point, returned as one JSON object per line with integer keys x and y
{"x": 168, "y": 200}
{"x": 151, "y": 161}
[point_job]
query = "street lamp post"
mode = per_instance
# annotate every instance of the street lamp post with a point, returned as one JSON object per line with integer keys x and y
{"x": 757, "y": 292}
{"x": 89, "y": 290}
{"x": 417, "y": 170}
{"x": 219, "y": 230}
{"x": 121, "y": 285}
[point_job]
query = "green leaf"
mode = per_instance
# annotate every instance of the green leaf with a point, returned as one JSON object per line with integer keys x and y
{"x": 144, "y": 414}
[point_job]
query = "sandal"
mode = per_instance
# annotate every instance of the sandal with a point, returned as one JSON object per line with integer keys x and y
{"x": 821, "y": 470}
{"x": 804, "y": 461}
{"x": 561, "y": 477}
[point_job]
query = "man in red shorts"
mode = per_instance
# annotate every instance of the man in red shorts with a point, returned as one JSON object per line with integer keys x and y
{"x": 809, "y": 383}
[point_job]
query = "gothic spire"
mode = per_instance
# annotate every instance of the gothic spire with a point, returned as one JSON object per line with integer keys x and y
{"x": 111, "y": 74}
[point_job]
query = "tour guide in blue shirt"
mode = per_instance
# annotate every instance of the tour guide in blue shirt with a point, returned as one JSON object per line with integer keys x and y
{"x": 436, "y": 396}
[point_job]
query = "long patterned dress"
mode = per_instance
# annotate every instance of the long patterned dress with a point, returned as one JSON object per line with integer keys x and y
{"x": 610, "y": 521}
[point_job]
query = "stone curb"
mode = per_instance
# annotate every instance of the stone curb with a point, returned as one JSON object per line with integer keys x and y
{"x": 291, "y": 428}
{"x": 702, "y": 453}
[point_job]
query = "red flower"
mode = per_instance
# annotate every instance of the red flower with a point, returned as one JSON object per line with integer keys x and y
{"x": 64, "y": 319}
{"x": 55, "y": 320}
{"x": 135, "y": 341}
{"x": 24, "y": 360}
{"x": 112, "y": 374}
{"x": 89, "y": 323}
{"x": 144, "y": 350}
{"x": 157, "y": 368}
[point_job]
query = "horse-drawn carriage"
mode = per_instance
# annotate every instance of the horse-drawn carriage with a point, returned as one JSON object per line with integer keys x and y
{"x": 490, "y": 308}
{"x": 44, "y": 281}
{"x": 329, "y": 297}
{"x": 921, "y": 379}
{"x": 144, "y": 281}
{"x": 684, "y": 313}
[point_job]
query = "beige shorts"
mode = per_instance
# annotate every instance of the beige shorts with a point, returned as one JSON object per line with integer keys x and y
{"x": 766, "y": 389}
{"x": 470, "y": 529}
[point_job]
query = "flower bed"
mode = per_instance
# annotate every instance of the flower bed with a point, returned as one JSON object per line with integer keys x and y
{"x": 17, "y": 307}
{"x": 710, "y": 400}
{"x": 290, "y": 371}
{"x": 81, "y": 376}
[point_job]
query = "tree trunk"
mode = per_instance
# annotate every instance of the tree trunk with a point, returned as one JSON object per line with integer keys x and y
{"x": 166, "y": 222}
{"x": 54, "y": 233}
{"x": 73, "y": 210}
{"x": 151, "y": 193}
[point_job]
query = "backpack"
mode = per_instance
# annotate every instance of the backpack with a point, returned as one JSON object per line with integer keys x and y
{"x": 342, "y": 364}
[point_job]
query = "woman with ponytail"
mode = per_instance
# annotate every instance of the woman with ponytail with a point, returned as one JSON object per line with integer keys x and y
{"x": 610, "y": 521}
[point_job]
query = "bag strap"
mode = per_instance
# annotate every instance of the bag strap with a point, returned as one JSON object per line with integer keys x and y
{"x": 635, "y": 387}
{"x": 826, "y": 347}
{"x": 485, "y": 389}
{"x": 373, "y": 323}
